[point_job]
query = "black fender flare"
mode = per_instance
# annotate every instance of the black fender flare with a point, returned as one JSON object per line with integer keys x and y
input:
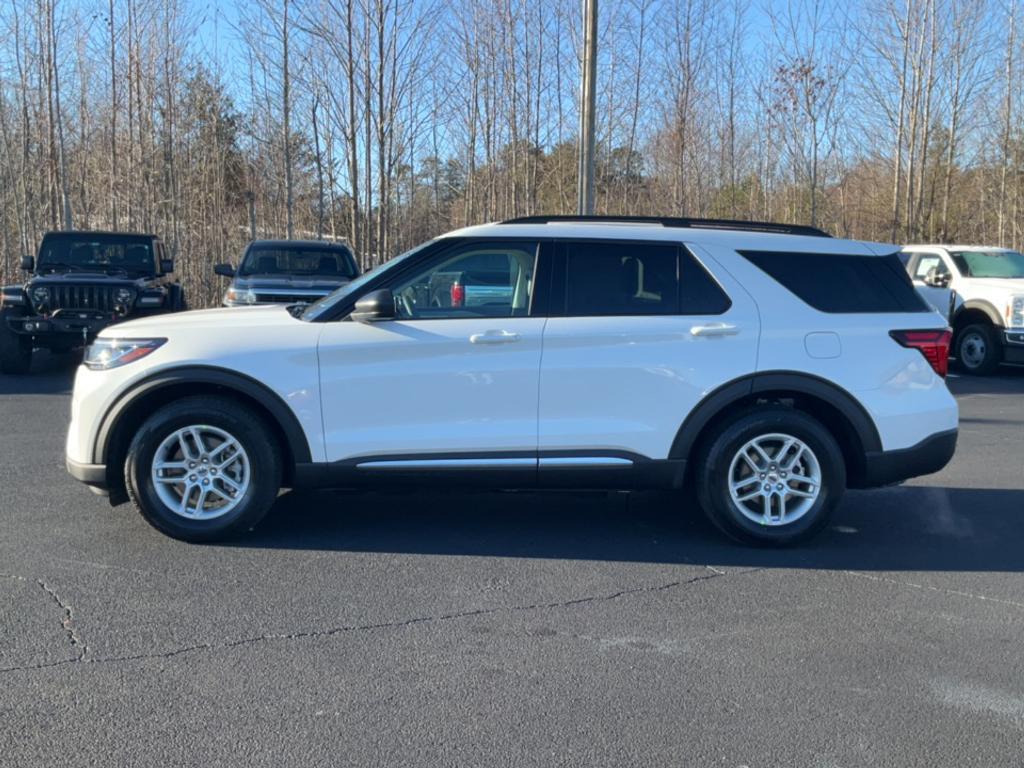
{"x": 795, "y": 382}
{"x": 298, "y": 444}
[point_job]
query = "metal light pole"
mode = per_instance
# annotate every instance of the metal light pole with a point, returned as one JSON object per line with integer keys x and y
{"x": 587, "y": 101}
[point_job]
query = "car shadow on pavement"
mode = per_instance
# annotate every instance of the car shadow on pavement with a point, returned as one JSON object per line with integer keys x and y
{"x": 914, "y": 528}
{"x": 51, "y": 374}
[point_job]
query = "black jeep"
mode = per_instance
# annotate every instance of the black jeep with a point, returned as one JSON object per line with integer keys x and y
{"x": 80, "y": 283}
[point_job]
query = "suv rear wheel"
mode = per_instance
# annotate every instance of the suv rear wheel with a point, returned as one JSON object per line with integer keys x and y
{"x": 202, "y": 469}
{"x": 977, "y": 349}
{"x": 771, "y": 476}
{"x": 15, "y": 349}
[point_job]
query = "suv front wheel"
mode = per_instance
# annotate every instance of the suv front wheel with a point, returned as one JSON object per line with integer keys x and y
{"x": 202, "y": 469}
{"x": 771, "y": 476}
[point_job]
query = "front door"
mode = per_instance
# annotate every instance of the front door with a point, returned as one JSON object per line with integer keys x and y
{"x": 452, "y": 380}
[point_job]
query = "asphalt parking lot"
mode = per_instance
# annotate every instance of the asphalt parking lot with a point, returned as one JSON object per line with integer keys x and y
{"x": 513, "y": 628}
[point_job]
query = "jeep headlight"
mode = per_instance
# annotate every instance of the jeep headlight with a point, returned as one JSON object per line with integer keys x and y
{"x": 41, "y": 296}
{"x": 104, "y": 354}
{"x": 235, "y": 297}
{"x": 124, "y": 296}
{"x": 1015, "y": 312}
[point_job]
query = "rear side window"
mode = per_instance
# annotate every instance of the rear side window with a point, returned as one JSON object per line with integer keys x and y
{"x": 623, "y": 278}
{"x": 841, "y": 283}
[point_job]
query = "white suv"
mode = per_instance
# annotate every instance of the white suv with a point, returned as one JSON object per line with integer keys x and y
{"x": 768, "y": 365}
{"x": 986, "y": 286}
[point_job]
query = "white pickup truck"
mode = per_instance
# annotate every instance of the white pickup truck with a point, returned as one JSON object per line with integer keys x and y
{"x": 982, "y": 290}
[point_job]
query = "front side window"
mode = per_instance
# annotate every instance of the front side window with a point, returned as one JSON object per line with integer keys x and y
{"x": 479, "y": 280}
{"x": 926, "y": 263}
{"x": 998, "y": 264}
{"x": 295, "y": 261}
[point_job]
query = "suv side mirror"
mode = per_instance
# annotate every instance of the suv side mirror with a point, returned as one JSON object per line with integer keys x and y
{"x": 224, "y": 270}
{"x": 375, "y": 306}
{"x": 28, "y": 263}
{"x": 936, "y": 279}
{"x": 166, "y": 266}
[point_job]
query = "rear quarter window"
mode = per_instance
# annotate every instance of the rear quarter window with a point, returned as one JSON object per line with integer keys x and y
{"x": 841, "y": 283}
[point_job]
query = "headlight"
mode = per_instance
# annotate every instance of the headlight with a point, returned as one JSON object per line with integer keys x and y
{"x": 1015, "y": 312}
{"x": 40, "y": 295}
{"x": 124, "y": 296}
{"x": 235, "y": 296}
{"x": 104, "y": 354}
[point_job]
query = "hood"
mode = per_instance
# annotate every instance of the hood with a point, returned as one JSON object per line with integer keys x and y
{"x": 297, "y": 283}
{"x": 1006, "y": 285}
{"x": 201, "y": 321}
{"x": 87, "y": 278}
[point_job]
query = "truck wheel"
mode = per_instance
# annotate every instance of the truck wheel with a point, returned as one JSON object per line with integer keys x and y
{"x": 203, "y": 469}
{"x": 978, "y": 350}
{"x": 770, "y": 477}
{"x": 15, "y": 350}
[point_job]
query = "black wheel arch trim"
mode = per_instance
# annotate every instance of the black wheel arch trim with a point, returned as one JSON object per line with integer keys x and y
{"x": 298, "y": 444}
{"x": 796, "y": 382}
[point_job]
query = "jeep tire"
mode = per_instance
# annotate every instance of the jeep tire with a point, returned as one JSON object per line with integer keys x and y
{"x": 15, "y": 349}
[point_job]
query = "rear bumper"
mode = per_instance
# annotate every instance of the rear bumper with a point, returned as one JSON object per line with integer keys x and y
{"x": 928, "y": 456}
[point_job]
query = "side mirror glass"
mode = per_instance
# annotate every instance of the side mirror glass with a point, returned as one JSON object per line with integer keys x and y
{"x": 28, "y": 263}
{"x": 166, "y": 266}
{"x": 375, "y": 306}
{"x": 224, "y": 270}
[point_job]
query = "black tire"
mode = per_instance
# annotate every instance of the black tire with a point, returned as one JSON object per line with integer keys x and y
{"x": 978, "y": 349}
{"x": 247, "y": 427}
{"x": 178, "y": 302}
{"x": 15, "y": 350}
{"x": 714, "y": 464}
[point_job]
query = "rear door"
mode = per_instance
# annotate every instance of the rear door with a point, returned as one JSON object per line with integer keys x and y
{"x": 644, "y": 333}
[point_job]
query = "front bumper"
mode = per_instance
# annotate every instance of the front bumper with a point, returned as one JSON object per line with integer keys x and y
{"x": 1013, "y": 345}
{"x": 928, "y": 456}
{"x": 84, "y": 325}
{"x": 90, "y": 474}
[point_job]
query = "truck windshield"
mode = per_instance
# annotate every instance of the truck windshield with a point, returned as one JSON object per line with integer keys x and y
{"x": 102, "y": 253}
{"x": 291, "y": 260}
{"x": 1005, "y": 264}
{"x": 324, "y": 305}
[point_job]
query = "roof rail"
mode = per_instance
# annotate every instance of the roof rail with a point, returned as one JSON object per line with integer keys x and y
{"x": 675, "y": 221}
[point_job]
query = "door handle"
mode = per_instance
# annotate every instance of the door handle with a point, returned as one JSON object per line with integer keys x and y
{"x": 715, "y": 329}
{"x": 494, "y": 337}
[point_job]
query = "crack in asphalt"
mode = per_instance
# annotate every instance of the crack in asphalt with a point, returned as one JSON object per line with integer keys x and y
{"x": 715, "y": 573}
{"x": 929, "y": 588}
{"x": 67, "y": 622}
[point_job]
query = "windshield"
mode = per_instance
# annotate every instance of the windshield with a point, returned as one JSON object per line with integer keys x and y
{"x": 298, "y": 261}
{"x": 102, "y": 253}
{"x": 324, "y": 305}
{"x": 1005, "y": 264}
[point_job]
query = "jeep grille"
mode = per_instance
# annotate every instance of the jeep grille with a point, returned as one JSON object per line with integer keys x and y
{"x": 97, "y": 297}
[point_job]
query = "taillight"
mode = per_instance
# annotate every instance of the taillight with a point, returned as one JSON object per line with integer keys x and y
{"x": 458, "y": 295}
{"x": 933, "y": 344}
